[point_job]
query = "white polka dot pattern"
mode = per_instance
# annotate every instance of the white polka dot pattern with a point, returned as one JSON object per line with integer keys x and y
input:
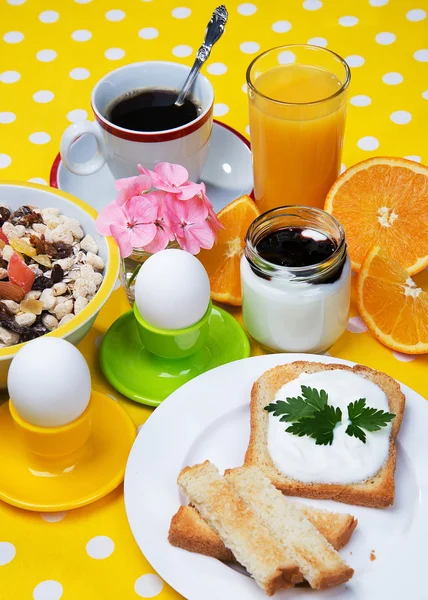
{"x": 148, "y": 33}
{"x": 217, "y": 69}
{"x": 13, "y": 37}
{"x": 7, "y": 553}
{"x": 46, "y": 55}
{"x": 114, "y": 53}
{"x": 247, "y": 9}
{"x": 181, "y": 12}
{"x": 115, "y": 15}
{"x": 220, "y": 109}
{"x": 7, "y": 117}
{"x": 354, "y": 60}
{"x": 100, "y": 547}
{"x": 356, "y": 325}
{"x": 48, "y": 590}
{"x": 182, "y": 50}
{"x": 361, "y": 100}
{"x": 148, "y": 586}
{"x": 368, "y": 142}
{"x": 81, "y": 35}
{"x": 392, "y": 78}
{"x": 401, "y": 117}
{"x": 249, "y": 47}
{"x": 318, "y": 41}
{"x": 49, "y": 16}
{"x": 281, "y": 26}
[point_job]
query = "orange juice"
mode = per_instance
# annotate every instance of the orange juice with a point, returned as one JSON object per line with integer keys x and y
{"x": 297, "y": 120}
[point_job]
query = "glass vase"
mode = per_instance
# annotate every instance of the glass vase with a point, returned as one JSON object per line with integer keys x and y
{"x": 130, "y": 267}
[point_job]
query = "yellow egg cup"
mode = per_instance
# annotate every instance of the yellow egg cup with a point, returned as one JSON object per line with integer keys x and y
{"x": 59, "y": 468}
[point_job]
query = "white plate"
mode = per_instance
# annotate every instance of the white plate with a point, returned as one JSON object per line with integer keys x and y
{"x": 208, "y": 418}
{"x": 227, "y": 172}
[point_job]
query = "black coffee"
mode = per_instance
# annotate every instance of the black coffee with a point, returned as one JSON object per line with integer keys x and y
{"x": 151, "y": 110}
{"x": 295, "y": 247}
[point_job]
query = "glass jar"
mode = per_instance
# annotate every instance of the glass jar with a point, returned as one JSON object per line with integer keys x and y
{"x": 130, "y": 266}
{"x": 296, "y": 308}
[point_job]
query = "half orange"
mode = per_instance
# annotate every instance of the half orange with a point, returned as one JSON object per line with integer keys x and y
{"x": 384, "y": 201}
{"x": 393, "y": 307}
{"x": 222, "y": 262}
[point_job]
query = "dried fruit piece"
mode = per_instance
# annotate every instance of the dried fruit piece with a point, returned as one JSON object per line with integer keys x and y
{"x": 20, "y": 274}
{"x": 24, "y": 247}
{"x": 3, "y": 238}
{"x": 25, "y": 216}
{"x": 4, "y": 214}
{"x": 57, "y": 274}
{"x": 10, "y": 291}
{"x": 42, "y": 283}
{"x": 43, "y": 260}
{"x": 56, "y": 250}
{"x": 32, "y": 306}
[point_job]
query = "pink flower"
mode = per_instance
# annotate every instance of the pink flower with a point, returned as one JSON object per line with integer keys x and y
{"x": 131, "y": 224}
{"x": 212, "y": 217}
{"x": 173, "y": 179}
{"x": 132, "y": 186}
{"x": 163, "y": 233}
{"x": 189, "y": 223}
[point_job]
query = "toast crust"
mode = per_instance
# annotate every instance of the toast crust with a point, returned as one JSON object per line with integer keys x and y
{"x": 377, "y": 491}
{"x": 235, "y": 521}
{"x": 189, "y": 531}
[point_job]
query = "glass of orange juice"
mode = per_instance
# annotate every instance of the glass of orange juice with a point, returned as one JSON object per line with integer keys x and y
{"x": 297, "y": 97}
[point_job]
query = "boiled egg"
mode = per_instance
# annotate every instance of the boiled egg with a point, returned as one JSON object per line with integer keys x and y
{"x": 172, "y": 290}
{"x": 49, "y": 382}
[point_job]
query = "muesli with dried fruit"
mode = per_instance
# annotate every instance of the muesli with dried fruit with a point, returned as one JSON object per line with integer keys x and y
{"x": 49, "y": 271}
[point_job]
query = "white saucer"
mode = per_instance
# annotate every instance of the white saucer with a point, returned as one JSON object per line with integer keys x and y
{"x": 227, "y": 172}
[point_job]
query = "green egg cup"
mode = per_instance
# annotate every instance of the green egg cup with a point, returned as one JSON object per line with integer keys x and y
{"x": 173, "y": 343}
{"x": 147, "y": 364}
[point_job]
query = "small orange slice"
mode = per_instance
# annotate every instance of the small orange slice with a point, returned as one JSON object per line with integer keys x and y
{"x": 393, "y": 307}
{"x": 222, "y": 261}
{"x": 384, "y": 201}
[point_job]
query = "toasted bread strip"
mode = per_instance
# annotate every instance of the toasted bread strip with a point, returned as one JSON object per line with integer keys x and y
{"x": 377, "y": 491}
{"x": 319, "y": 562}
{"x": 238, "y": 526}
{"x": 188, "y": 530}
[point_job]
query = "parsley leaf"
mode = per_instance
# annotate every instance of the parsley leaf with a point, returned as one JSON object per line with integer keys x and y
{"x": 364, "y": 417}
{"x": 294, "y": 409}
{"x": 320, "y": 426}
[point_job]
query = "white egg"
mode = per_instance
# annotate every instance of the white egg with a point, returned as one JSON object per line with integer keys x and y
{"x": 172, "y": 290}
{"x": 49, "y": 382}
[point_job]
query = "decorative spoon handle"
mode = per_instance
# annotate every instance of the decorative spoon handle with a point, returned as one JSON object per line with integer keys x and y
{"x": 213, "y": 33}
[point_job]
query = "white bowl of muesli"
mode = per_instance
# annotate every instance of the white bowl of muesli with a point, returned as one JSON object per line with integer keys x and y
{"x": 56, "y": 271}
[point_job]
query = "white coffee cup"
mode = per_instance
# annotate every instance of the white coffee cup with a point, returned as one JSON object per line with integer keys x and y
{"x": 122, "y": 149}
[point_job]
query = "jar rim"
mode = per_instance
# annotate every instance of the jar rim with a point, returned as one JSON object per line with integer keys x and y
{"x": 338, "y": 92}
{"x": 304, "y": 273}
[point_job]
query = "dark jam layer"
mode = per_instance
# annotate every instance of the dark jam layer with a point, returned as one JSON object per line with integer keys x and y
{"x": 293, "y": 247}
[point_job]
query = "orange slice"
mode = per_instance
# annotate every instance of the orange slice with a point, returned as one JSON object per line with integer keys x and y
{"x": 393, "y": 307}
{"x": 222, "y": 261}
{"x": 384, "y": 201}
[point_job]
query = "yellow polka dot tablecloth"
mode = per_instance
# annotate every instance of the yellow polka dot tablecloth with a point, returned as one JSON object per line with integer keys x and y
{"x": 52, "y": 54}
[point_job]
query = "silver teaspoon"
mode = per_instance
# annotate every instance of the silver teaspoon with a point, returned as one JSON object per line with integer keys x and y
{"x": 213, "y": 33}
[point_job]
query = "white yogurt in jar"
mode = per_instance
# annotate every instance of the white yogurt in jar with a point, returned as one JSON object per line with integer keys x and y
{"x": 287, "y": 316}
{"x": 303, "y": 309}
{"x": 348, "y": 459}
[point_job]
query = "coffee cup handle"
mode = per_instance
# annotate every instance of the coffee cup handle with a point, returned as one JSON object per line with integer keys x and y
{"x": 70, "y": 135}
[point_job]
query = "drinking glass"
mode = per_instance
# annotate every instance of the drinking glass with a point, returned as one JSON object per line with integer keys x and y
{"x": 297, "y": 100}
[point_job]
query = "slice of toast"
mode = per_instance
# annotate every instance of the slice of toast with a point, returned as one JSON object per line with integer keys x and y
{"x": 239, "y": 528}
{"x": 377, "y": 491}
{"x": 188, "y": 530}
{"x": 318, "y": 561}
